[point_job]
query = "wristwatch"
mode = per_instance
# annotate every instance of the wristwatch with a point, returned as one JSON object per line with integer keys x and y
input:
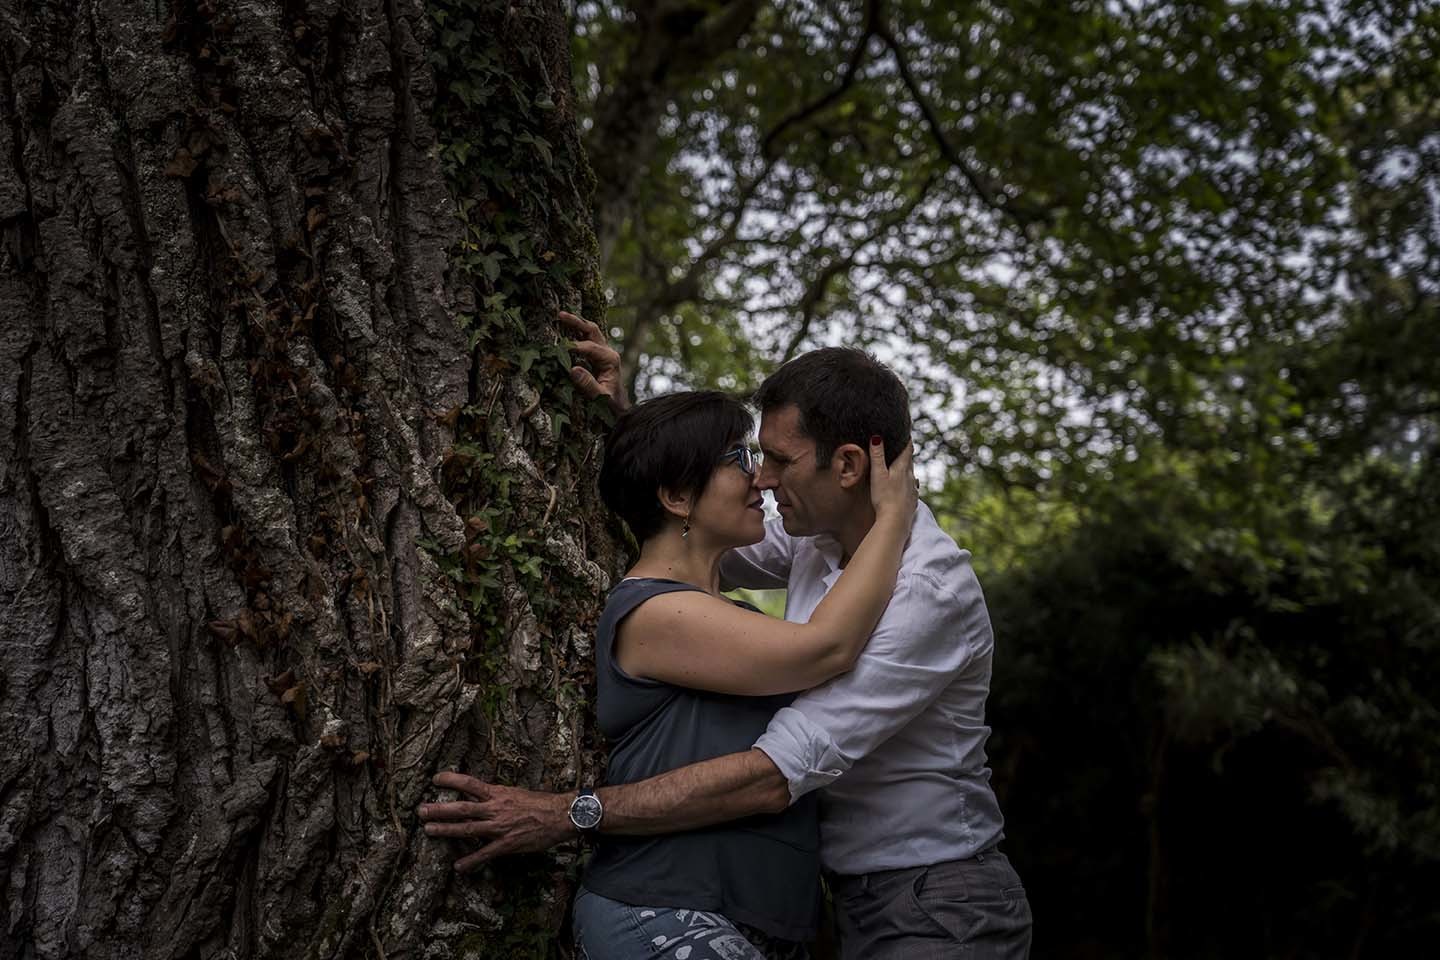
{"x": 586, "y": 811}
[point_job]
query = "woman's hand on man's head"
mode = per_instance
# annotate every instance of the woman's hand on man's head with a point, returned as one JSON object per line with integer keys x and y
{"x": 893, "y": 487}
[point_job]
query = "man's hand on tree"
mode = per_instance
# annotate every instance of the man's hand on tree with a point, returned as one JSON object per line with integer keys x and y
{"x": 506, "y": 819}
{"x": 604, "y": 378}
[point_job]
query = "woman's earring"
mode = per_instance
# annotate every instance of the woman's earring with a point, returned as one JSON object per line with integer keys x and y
{"x": 685, "y": 529}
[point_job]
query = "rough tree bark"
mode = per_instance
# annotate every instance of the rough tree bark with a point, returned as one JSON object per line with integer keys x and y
{"x": 295, "y": 500}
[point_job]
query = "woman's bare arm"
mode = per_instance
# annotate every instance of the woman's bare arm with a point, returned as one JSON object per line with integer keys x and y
{"x": 695, "y": 640}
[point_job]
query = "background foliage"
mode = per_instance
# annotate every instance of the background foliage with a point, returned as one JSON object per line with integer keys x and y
{"x": 1162, "y": 278}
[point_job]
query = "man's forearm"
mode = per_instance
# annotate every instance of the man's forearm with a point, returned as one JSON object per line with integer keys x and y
{"x": 516, "y": 820}
{"x": 713, "y": 791}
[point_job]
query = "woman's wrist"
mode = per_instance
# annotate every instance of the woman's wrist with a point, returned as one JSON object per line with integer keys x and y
{"x": 900, "y": 514}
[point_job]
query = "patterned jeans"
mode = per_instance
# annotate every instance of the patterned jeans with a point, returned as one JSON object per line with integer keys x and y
{"x": 607, "y": 929}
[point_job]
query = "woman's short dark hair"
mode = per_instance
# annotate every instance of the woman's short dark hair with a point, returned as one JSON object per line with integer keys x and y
{"x": 673, "y": 441}
{"x": 844, "y": 396}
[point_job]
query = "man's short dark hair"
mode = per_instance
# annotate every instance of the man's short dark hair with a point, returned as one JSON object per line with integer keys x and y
{"x": 844, "y": 396}
{"x": 673, "y": 441}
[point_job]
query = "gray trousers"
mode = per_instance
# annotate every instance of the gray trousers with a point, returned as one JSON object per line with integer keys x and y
{"x": 975, "y": 909}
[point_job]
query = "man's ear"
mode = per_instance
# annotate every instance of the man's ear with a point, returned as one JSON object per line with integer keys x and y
{"x": 676, "y": 504}
{"x": 851, "y": 464}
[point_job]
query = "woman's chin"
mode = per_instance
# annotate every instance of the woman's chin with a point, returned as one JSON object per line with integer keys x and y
{"x": 743, "y": 535}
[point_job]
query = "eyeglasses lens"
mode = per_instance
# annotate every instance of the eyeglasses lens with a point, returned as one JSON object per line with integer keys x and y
{"x": 745, "y": 458}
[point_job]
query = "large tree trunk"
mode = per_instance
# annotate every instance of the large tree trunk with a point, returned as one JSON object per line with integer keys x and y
{"x": 295, "y": 500}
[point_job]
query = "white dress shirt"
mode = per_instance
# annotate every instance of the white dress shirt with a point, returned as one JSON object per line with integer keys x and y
{"x": 899, "y": 741}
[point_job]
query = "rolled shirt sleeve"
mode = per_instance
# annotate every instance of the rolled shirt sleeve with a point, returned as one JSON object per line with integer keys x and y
{"x": 927, "y": 636}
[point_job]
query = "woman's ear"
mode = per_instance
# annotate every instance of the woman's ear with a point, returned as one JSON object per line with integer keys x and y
{"x": 851, "y": 464}
{"x": 678, "y": 505}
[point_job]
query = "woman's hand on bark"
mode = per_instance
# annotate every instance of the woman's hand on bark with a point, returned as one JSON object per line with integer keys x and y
{"x": 604, "y": 378}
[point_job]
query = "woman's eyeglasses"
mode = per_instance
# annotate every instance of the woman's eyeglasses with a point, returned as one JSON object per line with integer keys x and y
{"x": 745, "y": 458}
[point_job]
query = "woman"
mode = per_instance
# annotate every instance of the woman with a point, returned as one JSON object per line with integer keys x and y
{"x": 683, "y": 674}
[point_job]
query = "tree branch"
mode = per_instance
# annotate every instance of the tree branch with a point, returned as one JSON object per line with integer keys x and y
{"x": 985, "y": 191}
{"x": 815, "y": 293}
{"x": 672, "y": 42}
{"x": 847, "y": 80}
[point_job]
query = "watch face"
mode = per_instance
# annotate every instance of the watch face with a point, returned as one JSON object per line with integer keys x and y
{"x": 585, "y": 812}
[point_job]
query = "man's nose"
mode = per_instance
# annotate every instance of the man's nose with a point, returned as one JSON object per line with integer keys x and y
{"x": 767, "y": 478}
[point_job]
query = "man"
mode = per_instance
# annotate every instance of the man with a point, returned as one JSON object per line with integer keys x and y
{"x": 909, "y": 824}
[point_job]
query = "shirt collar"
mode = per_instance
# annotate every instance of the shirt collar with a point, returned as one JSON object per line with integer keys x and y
{"x": 830, "y": 551}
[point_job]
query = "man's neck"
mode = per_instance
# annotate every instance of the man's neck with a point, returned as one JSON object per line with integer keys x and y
{"x": 852, "y": 527}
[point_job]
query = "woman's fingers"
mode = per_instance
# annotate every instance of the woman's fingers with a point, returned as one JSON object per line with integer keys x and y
{"x": 892, "y": 484}
{"x": 585, "y": 380}
{"x": 582, "y": 328}
{"x": 594, "y": 352}
{"x": 904, "y": 462}
{"x": 604, "y": 378}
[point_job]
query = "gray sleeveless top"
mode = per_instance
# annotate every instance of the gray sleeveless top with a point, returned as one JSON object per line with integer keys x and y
{"x": 762, "y": 871}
